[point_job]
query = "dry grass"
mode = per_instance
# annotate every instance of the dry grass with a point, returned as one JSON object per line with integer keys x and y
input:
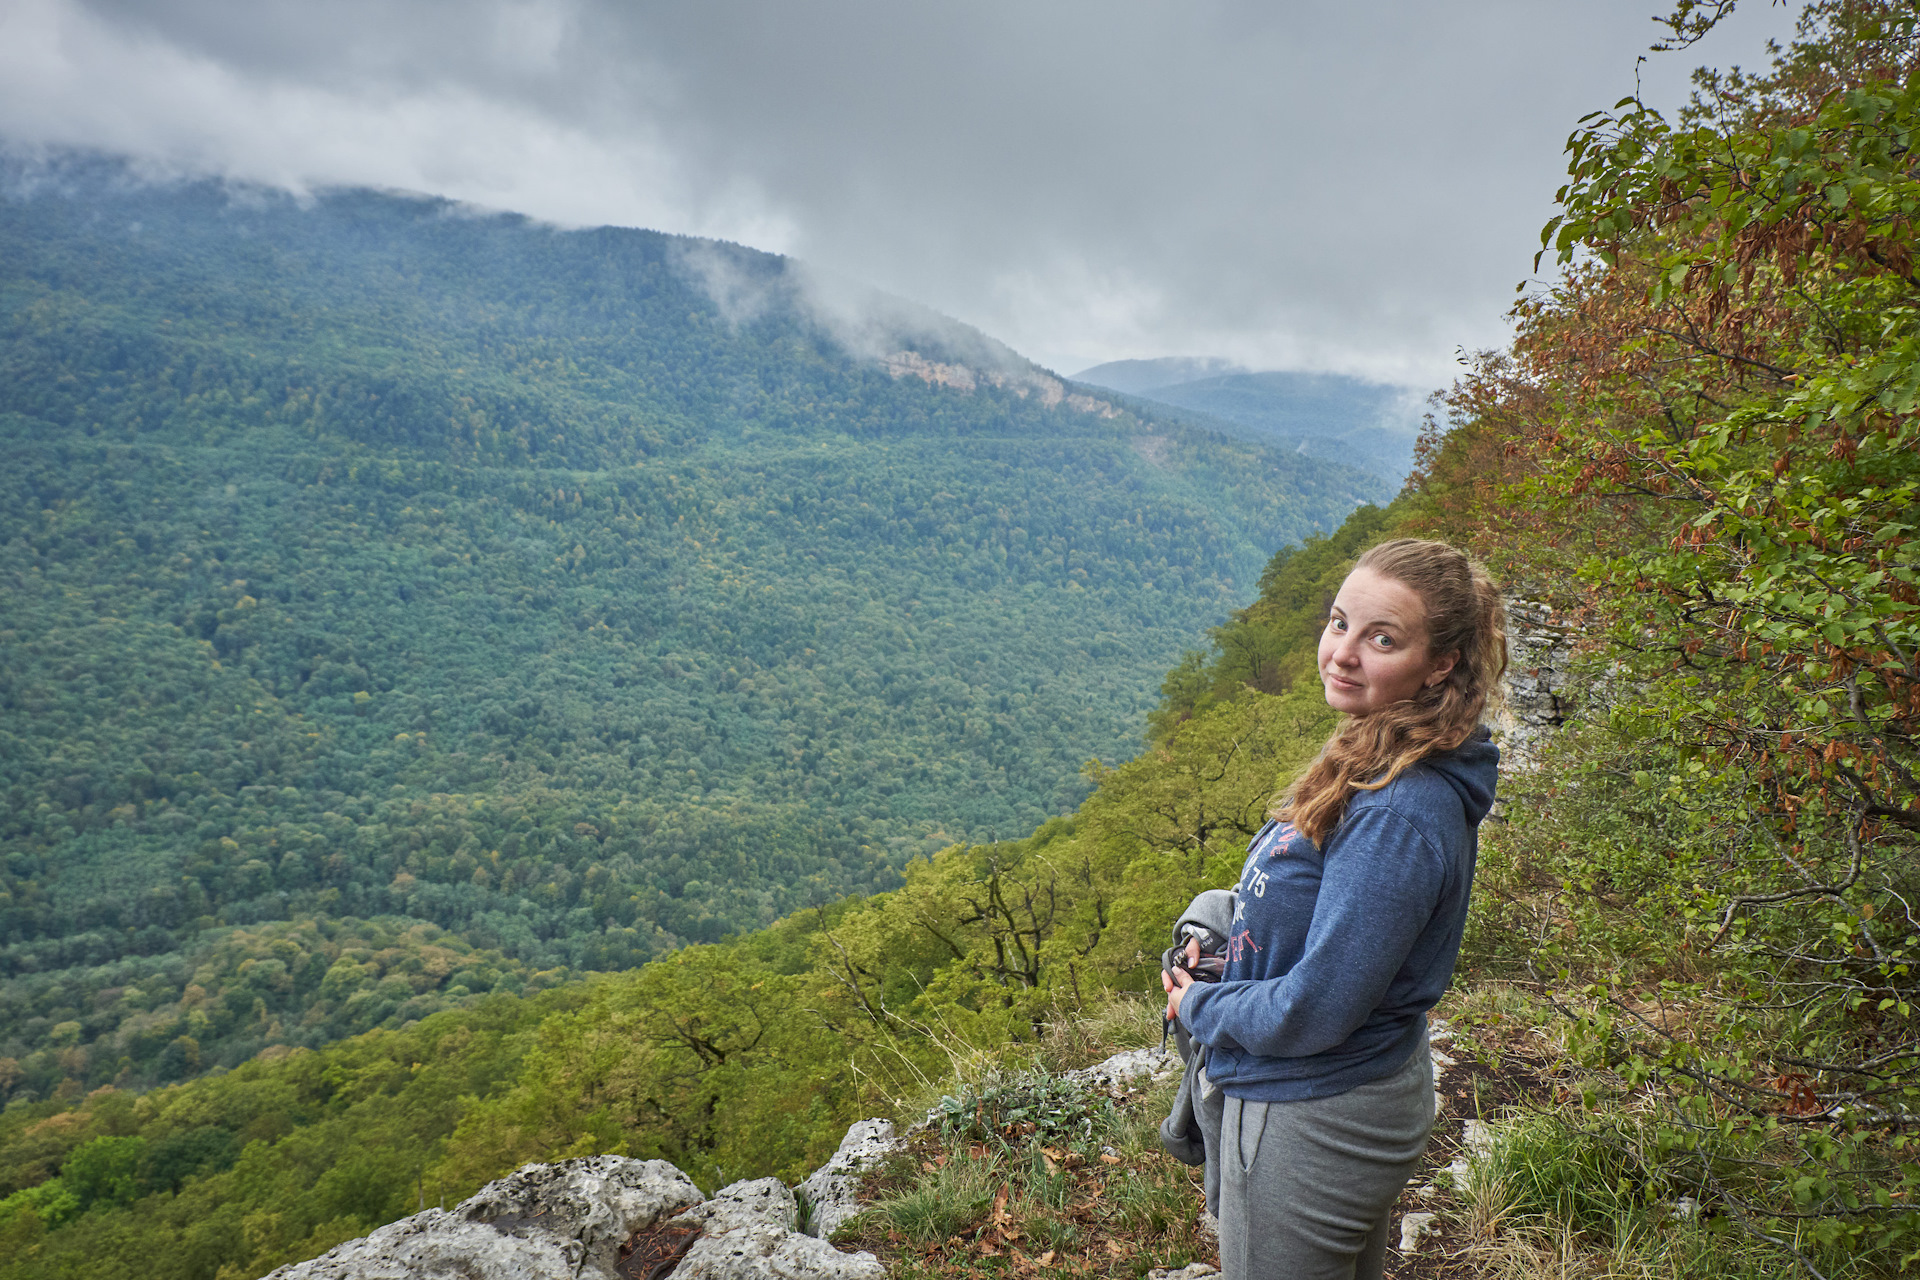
{"x": 1093, "y": 1198}
{"x": 1539, "y": 1253}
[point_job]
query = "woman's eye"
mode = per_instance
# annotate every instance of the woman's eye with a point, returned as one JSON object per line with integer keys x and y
{"x": 1384, "y": 640}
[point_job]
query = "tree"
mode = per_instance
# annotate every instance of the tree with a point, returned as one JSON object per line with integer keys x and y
{"x": 1722, "y": 389}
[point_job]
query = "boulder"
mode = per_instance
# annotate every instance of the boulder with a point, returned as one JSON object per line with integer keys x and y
{"x": 542, "y": 1222}
{"x": 832, "y": 1191}
{"x": 747, "y": 1234}
{"x": 1131, "y": 1068}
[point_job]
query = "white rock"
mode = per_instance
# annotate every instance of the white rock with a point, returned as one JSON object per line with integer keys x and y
{"x": 1412, "y": 1227}
{"x": 1478, "y": 1137}
{"x": 438, "y": 1244}
{"x": 833, "y": 1190}
{"x": 1458, "y": 1171}
{"x": 749, "y": 1235}
{"x": 1192, "y": 1271}
{"x": 1441, "y": 1062}
{"x": 1685, "y": 1209}
{"x": 1209, "y": 1228}
{"x": 762, "y": 1202}
{"x": 1153, "y": 1063}
{"x": 542, "y": 1222}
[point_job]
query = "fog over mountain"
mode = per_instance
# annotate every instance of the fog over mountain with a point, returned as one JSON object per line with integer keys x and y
{"x": 1143, "y": 377}
{"x": 1289, "y": 185}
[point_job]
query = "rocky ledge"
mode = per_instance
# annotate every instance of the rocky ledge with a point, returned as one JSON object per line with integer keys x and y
{"x": 601, "y": 1217}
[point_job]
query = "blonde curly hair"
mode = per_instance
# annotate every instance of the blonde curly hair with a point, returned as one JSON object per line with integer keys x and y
{"x": 1464, "y": 615}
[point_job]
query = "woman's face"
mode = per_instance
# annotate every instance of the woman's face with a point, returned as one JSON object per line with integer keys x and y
{"x": 1374, "y": 650}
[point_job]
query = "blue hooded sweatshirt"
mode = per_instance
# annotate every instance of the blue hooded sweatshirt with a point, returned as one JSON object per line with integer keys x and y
{"x": 1336, "y": 955}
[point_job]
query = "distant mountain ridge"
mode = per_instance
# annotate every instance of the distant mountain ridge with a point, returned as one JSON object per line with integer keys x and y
{"x": 1364, "y": 424}
{"x": 1143, "y": 377}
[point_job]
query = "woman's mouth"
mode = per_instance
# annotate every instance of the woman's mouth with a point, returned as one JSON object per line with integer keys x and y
{"x": 1341, "y": 682}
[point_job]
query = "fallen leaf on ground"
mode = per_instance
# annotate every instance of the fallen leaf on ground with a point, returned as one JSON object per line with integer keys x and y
{"x": 1107, "y": 1159}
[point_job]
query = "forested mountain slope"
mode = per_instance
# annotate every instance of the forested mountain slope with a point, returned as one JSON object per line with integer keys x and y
{"x": 578, "y": 592}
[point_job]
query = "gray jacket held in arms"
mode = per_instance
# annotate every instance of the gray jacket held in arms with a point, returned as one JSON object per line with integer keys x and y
{"x": 1180, "y": 1132}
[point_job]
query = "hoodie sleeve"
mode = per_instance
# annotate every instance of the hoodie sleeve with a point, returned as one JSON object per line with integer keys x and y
{"x": 1380, "y": 886}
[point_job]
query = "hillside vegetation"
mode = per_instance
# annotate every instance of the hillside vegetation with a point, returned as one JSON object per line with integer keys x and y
{"x": 403, "y": 604}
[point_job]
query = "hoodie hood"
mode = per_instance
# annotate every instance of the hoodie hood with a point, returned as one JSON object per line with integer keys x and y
{"x": 1471, "y": 770}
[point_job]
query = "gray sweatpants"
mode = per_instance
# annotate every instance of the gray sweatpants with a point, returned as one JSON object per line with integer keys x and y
{"x": 1306, "y": 1188}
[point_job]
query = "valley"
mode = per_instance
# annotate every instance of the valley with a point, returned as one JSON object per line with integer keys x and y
{"x": 560, "y": 597}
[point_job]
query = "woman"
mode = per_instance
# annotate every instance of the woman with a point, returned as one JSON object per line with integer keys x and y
{"x": 1347, "y": 923}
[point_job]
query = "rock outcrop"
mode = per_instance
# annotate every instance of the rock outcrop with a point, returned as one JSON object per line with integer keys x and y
{"x": 747, "y": 1233}
{"x": 1022, "y": 382}
{"x": 578, "y": 1220}
{"x": 833, "y": 1190}
{"x": 1539, "y": 670}
{"x": 1131, "y": 1068}
{"x": 543, "y": 1222}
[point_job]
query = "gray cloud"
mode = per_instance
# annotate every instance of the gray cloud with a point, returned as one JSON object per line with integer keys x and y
{"x": 1300, "y": 185}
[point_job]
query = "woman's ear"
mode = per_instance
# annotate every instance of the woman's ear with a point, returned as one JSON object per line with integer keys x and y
{"x": 1441, "y": 670}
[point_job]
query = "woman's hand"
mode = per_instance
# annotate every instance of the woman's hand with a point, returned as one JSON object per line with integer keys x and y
{"x": 1177, "y": 982}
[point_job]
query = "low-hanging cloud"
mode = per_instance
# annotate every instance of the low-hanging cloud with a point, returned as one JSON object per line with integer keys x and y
{"x": 865, "y": 322}
{"x": 1288, "y": 185}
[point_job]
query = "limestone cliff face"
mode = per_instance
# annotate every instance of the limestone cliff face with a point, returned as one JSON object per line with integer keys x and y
{"x": 1539, "y": 667}
{"x": 963, "y": 378}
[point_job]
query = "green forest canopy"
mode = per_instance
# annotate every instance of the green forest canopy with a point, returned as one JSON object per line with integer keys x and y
{"x": 498, "y": 602}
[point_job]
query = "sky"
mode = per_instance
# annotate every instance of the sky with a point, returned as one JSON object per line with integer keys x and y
{"x": 1345, "y": 187}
